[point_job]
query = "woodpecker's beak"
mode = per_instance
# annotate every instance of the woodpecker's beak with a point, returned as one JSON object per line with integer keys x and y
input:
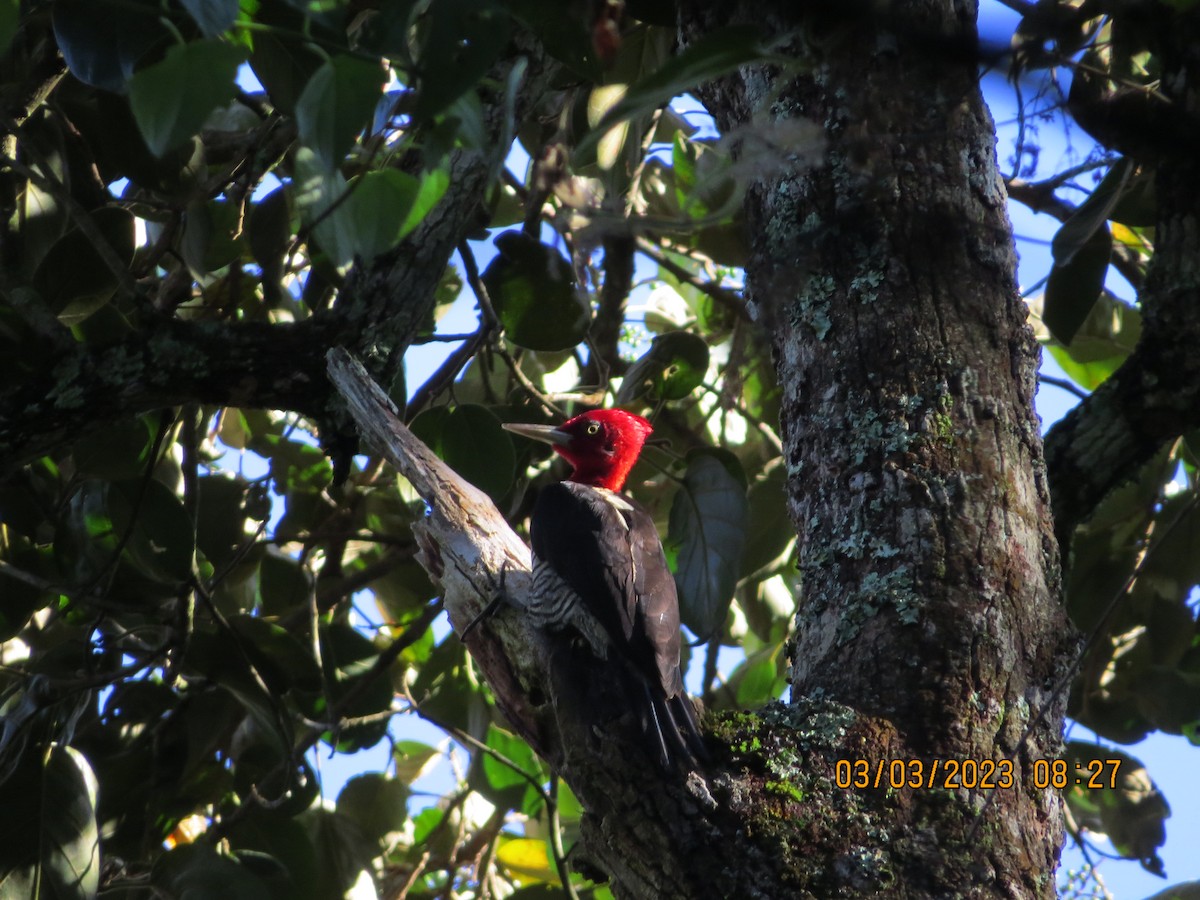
{"x": 547, "y": 433}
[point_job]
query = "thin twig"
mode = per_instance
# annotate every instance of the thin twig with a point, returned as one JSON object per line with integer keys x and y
{"x": 1068, "y": 386}
{"x": 556, "y": 847}
{"x": 725, "y": 298}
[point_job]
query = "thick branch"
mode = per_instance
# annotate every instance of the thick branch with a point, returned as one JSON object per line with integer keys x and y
{"x": 1155, "y": 396}
{"x": 466, "y": 545}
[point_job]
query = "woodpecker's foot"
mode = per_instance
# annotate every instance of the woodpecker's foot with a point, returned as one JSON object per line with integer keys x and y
{"x": 488, "y": 611}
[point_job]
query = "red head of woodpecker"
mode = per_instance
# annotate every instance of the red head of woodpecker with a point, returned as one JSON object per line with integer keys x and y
{"x": 599, "y": 570}
{"x": 601, "y": 445}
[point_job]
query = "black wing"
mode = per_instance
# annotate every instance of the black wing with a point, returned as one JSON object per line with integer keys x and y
{"x": 606, "y": 549}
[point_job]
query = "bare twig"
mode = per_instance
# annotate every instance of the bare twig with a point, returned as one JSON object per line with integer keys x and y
{"x": 725, "y": 298}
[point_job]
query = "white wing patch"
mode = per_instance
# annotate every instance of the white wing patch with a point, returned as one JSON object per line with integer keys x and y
{"x": 620, "y": 504}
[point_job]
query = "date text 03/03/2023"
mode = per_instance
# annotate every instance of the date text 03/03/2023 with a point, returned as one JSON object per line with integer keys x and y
{"x": 984, "y": 774}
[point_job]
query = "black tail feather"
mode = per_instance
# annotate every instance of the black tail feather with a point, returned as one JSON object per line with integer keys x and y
{"x": 671, "y": 724}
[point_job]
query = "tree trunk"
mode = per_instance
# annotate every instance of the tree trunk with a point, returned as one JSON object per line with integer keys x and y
{"x": 929, "y": 632}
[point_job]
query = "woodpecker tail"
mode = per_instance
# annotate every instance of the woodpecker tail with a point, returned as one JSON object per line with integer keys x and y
{"x": 671, "y": 724}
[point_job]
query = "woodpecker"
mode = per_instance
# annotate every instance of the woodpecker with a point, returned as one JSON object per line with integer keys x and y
{"x": 599, "y": 569}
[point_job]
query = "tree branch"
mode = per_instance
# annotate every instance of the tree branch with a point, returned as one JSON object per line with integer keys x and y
{"x": 1154, "y": 397}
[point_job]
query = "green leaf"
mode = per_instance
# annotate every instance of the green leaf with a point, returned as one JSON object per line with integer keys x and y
{"x": 368, "y": 217}
{"x": 196, "y": 870}
{"x": 284, "y": 584}
{"x": 463, "y": 40}
{"x": 533, "y": 292}
{"x": 501, "y": 783}
{"x": 341, "y": 851}
{"x": 705, "y": 536}
{"x": 278, "y": 656}
{"x": 221, "y": 514}
{"x": 122, "y": 450}
{"x": 430, "y": 189}
{"x": 213, "y": 16}
{"x": 297, "y": 466}
{"x": 1112, "y": 793}
{"x": 386, "y": 205}
{"x": 10, "y": 18}
{"x": 769, "y": 532}
{"x": 211, "y": 655}
{"x": 715, "y": 54}
{"x": 347, "y": 657}
{"x": 171, "y": 99}
{"x": 1074, "y": 287}
{"x": 471, "y": 440}
{"x": 161, "y": 543}
{"x": 563, "y": 32}
{"x": 704, "y": 183}
{"x": 269, "y": 234}
{"x": 336, "y": 105}
{"x": 72, "y": 278}
{"x": 101, "y": 43}
{"x": 49, "y": 834}
{"x": 1089, "y": 217}
{"x": 673, "y": 367}
{"x": 758, "y": 680}
{"x": 376, "y": 803}
{"x": 208, "y": 236}
{"x": 529, "y": 860}
{"x": 411, "y": 758}
{"x": 285, "y": 840}
{"x": 282, "y": 59}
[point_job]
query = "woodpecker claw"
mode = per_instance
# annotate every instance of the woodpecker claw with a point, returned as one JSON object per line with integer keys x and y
{"x": 490, "y": 609}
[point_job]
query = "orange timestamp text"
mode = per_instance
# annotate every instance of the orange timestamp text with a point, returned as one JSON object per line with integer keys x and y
{"x": 973, "y": 774}
{"x": 948, "y": 774}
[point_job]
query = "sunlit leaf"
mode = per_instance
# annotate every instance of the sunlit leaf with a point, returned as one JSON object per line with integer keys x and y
{"x": 50, "y": 835}
{"x": 527, "y": 858}
{"x": 376, "y": 802}
{"x": 1112, "y": 793}
{"x": 411, "y": 759}
{"x": 297, "y": 466}
{"x": 507, "y": 772}
{"x": 533, "y": 291}
{"x": 673, "y": 367}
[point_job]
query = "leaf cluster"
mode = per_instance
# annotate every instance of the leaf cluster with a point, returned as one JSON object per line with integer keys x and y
{"x": 198, "y": 602}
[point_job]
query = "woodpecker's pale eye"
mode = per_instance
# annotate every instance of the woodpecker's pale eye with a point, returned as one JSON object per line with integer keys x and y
{"x": 593, "y": 428}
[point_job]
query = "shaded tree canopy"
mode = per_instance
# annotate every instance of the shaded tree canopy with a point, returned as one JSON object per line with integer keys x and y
{"x": 782, "y": 235}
